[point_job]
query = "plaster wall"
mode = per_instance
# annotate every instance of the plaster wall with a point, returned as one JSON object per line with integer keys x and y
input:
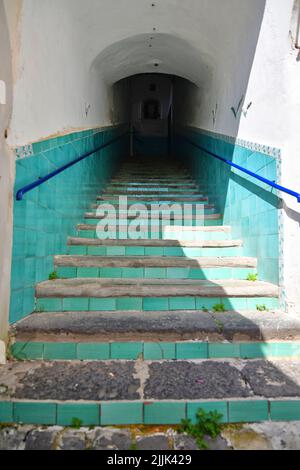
{"x": 6, "y": 176}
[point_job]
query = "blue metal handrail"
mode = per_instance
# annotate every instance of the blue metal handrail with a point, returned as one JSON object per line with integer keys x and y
{"x": 273, "y": 184}
{"x": 21, "y": 193}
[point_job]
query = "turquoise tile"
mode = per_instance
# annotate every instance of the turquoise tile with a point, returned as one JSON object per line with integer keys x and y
{"x": 220, "y": 350}
{"x": 66, "y": 272}
{"x": 121, "y": 413}
{"x": 288, "y": 410}
{"x": 6, "y": 412}
{"x": 134, "y": 273}
{"x": 161, "y": 350}
{"x": 154, "y": 251}
{"x": 87, "y": 414}
{"x": 196, "y": 274}
{"x": 129, "y": 351}
{"x": 178, "y": 273}
{"x": 115, "y": 251}
{"x": 129, "y": 303}
{"x": 78, "y": 250}
{"x": 27, "y": 351}
{"x": 96, "y": 250}
{"x": 135, "y": 251}
{"x": 256, "y": 350}
{"x": 173, "y": 251}
{"x": 286, "y": 349}
{"x": 155, "y": 273}
{"x": 111, "y": 272}
{"x": 60, "y": 351}
{"x": 164, "y": 413}
{"x": 206, "y": 302}
{"x": 35, "y": 413}
{"x": 87, "y": 272}
{"x": 192, "y": 350}
{"x": 93, "y": 351}
{"x": 49, "y": 305}
{"x": 155, "y": 303}
{"x": 248, "y": 411}
{"x": 182, "y": 303}
{"x": 75, "y": 304}
{"x": 219, "y": 406}
{"x": 102, "y": 304}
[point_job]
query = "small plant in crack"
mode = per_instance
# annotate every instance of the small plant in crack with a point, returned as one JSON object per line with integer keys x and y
{"x": 252, "y": 277}
{"x": 219, "y": 308}
{"x": 76, "y": 423}
{"x": 262, "y": 308}
{"x": 53, "y": 276}
{"x": 207, "y": 424}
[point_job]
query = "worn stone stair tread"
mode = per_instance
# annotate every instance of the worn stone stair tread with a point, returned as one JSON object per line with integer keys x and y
{"x": 216, "y": 216}
{"x": 150, "y": 197}
{"x": 103, "y": 288}
{"x": 154, "y": 261}
{"x": 76, "y": 241}
{"x": 158, "y": 326}
{"x": 157, "y": 204}
{"x": 168, "y": 380}
{"x": 175, "y": 228}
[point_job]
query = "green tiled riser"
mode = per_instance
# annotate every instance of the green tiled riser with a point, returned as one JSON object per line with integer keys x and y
{"x": 149, "y": 413}
{"x": 49, "y": 213}
{"x": 150, "y": 303}
{"x": 153, "y": 351}
{"x": 152, "y": 251}
{"x": 156, "y": 273}
{"x": 166, "y": 235}
{"x": 146, "y": 224}
{"x": 248, "y": 205}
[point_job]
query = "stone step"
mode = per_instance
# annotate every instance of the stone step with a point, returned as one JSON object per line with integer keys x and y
{"x": 75, "y": 241}
{"x": 271, "y": 332}
{"x": 165, "y": 215}
{"x": 168, "y": 185}
{"x": 151, "y": 191}
{"x": 154, "y": 196}
{"x": 150, "y": 393}
{"x": 178, "y": 233}
{"x": 118, "y": 248}
{"x": 154, "y": 261}
{"x": 187, "y": 221}
{"x": 153, "y": 180}
{"x": 152, "y": 288}
{"x": 158, "y": 205}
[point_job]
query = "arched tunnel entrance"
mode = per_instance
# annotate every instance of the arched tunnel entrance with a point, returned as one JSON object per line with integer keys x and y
{"x": 155, "y": 103}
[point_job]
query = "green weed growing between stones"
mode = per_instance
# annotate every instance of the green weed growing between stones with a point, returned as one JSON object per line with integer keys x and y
{"x": 207, "y": 424}
{"x": 53, "y": 276}
{"x": 252, "y": 277}
{"x": 219, "y": 308}
{"x": 76, "y": 423}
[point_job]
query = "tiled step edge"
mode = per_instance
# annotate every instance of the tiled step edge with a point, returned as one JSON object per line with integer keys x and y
{"x": 148, "y": 413}
{"x": 149, "y": 351}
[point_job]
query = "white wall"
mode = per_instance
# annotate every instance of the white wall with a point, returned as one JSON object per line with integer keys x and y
{"x": 6, "y": 177}
{"x": 73, "y": 50}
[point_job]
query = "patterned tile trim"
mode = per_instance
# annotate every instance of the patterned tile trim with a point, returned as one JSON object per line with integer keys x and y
{"x": 28, "y": 150}
{"x": 265, "y": 149}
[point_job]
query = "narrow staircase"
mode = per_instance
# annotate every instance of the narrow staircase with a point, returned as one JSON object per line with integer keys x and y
{"x": 149, "y": 330}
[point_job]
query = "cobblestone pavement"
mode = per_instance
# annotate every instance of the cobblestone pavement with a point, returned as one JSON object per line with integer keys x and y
{"x": 263, "y": 436}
